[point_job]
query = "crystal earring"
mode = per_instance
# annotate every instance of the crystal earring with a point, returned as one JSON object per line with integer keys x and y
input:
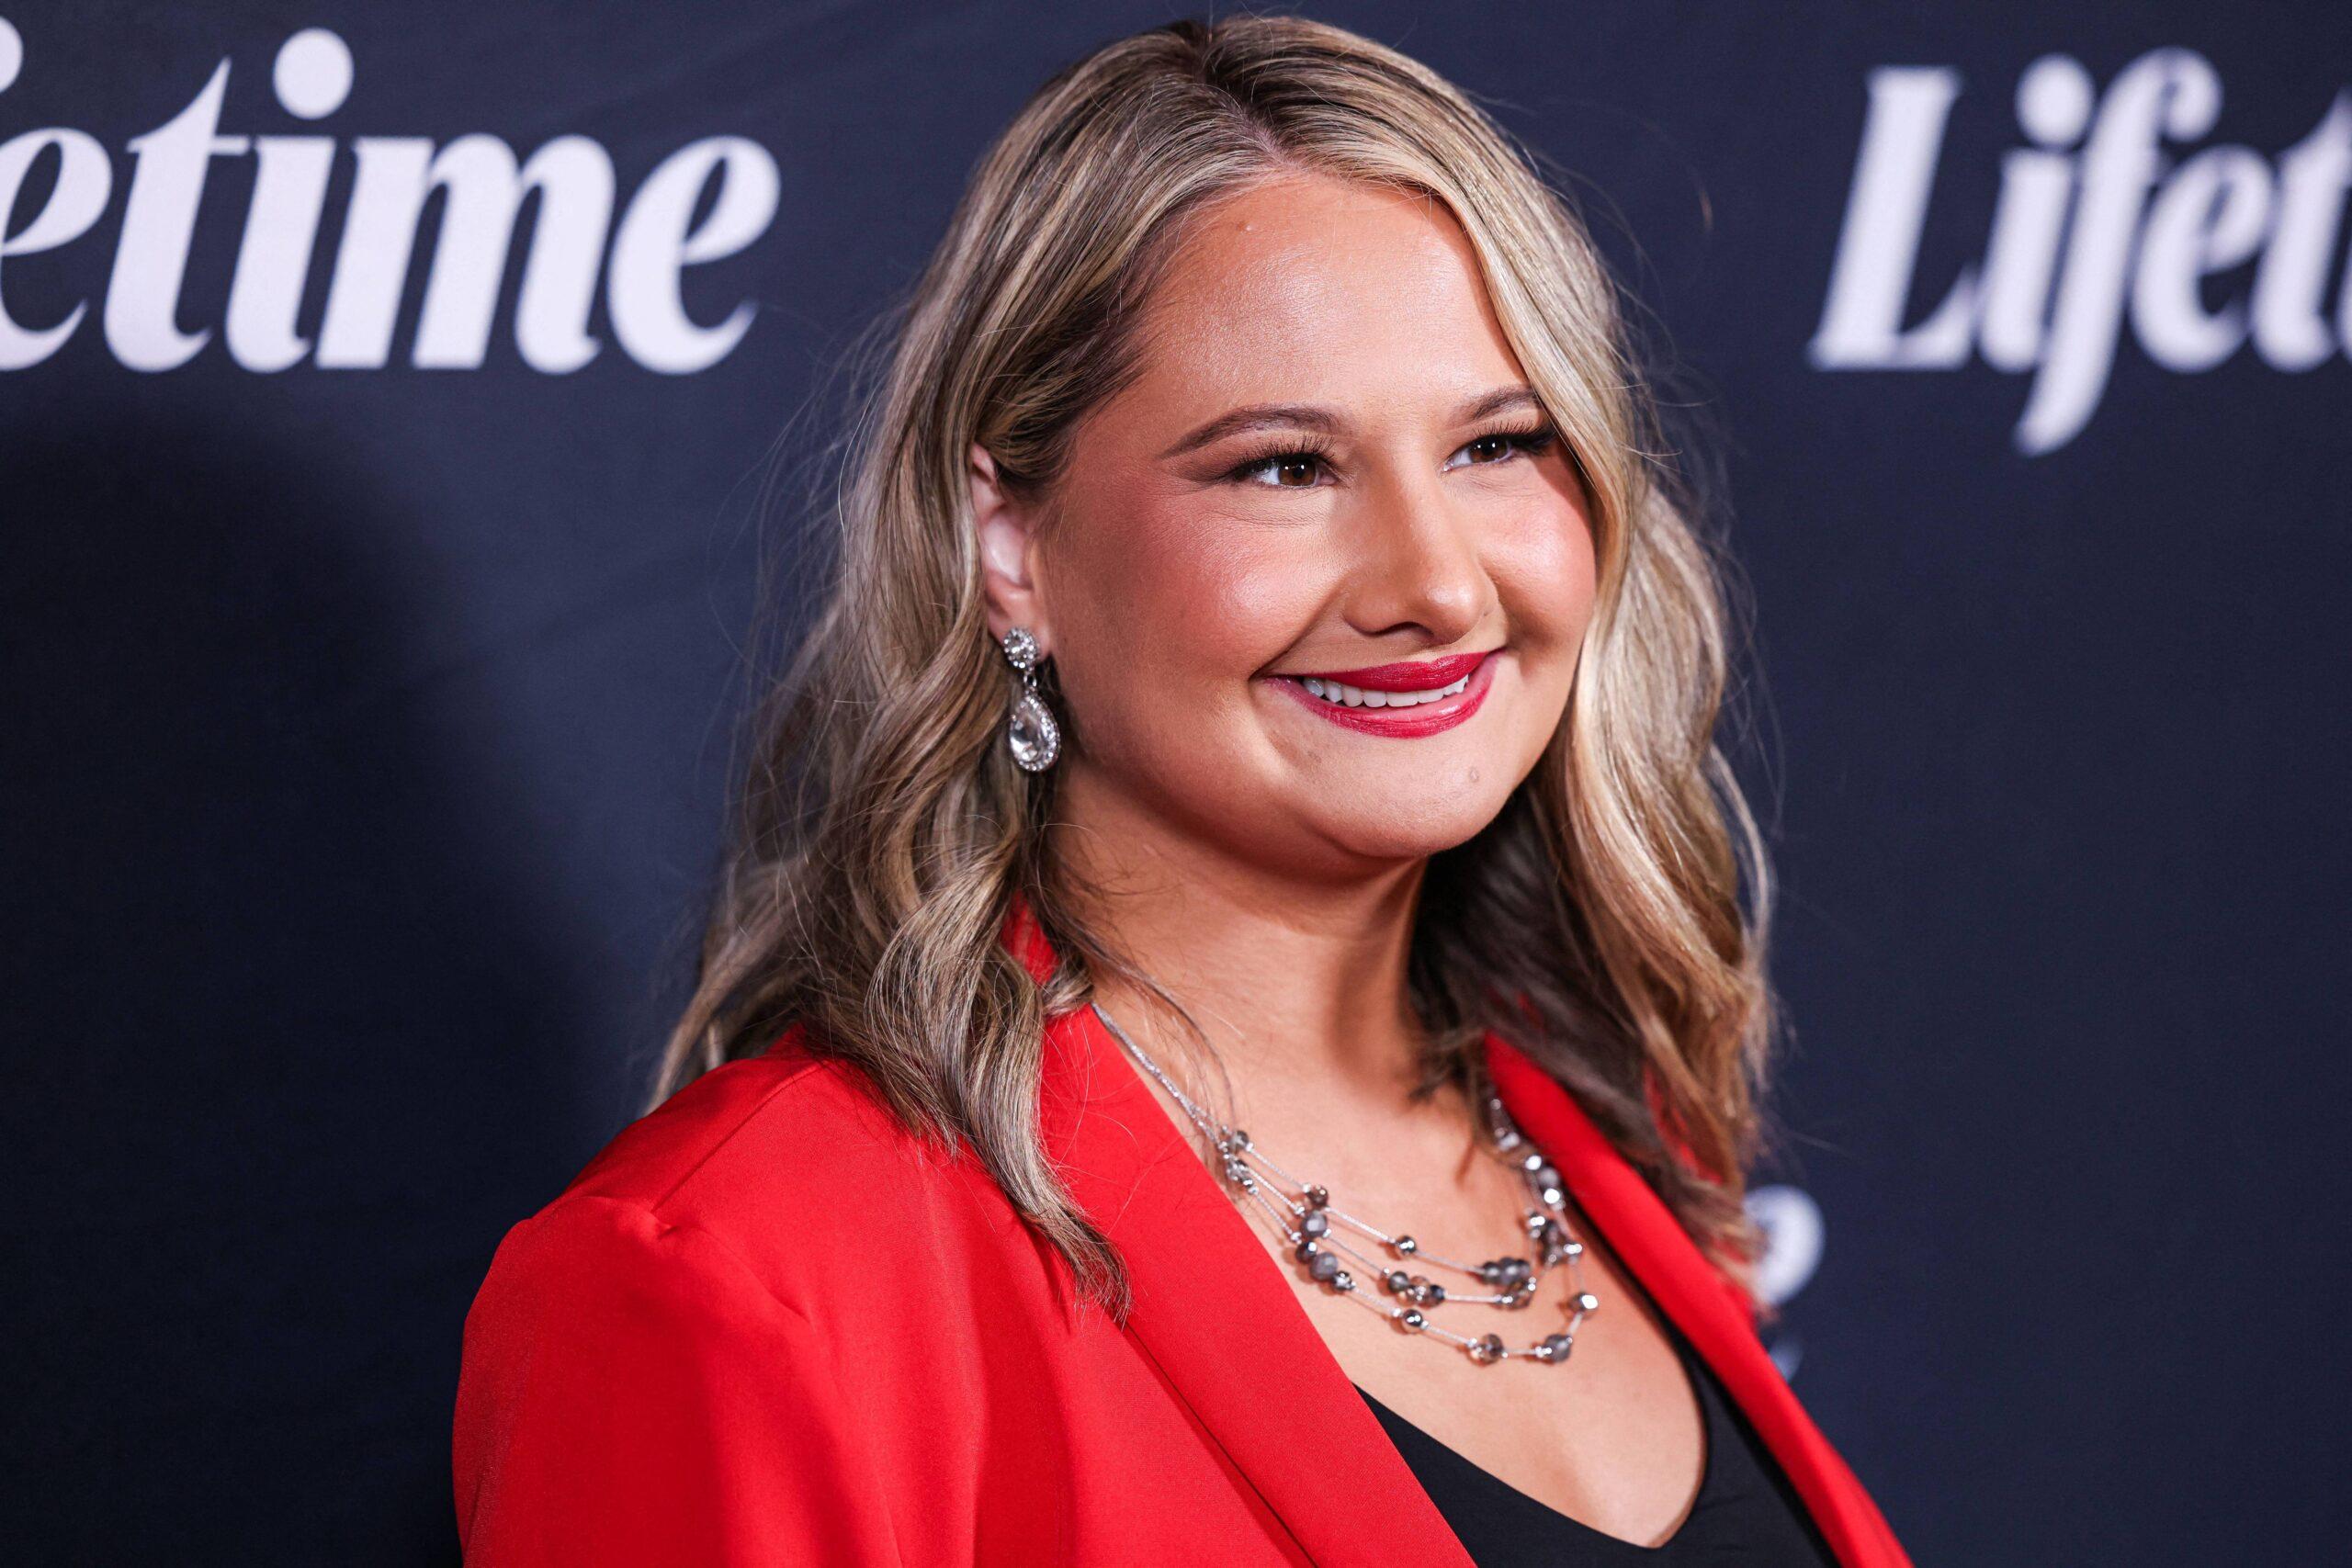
{"x": 1036, "y": 739}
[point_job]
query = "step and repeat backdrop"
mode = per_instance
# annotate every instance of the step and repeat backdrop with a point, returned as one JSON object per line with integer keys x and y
{"x": 389, "y": 399}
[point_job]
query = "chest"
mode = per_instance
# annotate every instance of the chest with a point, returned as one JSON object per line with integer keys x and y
{"x": 1614, "y": 1437}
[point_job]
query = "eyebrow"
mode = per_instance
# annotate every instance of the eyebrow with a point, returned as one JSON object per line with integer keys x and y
{"x": 1314, "y": 416}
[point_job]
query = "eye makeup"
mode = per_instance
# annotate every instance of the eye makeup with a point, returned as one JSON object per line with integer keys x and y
{"x": 1532, "y": 440}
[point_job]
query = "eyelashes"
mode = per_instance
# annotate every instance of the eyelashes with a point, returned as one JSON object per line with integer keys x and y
{"x": 1532, "y": 440}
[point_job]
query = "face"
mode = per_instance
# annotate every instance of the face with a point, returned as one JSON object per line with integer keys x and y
{"x": 1327, "y": 495}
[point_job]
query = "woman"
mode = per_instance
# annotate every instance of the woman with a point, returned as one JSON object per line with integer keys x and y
{"x": 1353, "y": 784}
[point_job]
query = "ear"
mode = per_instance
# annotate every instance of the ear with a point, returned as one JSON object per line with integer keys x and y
{"x": 1008, "y": 541}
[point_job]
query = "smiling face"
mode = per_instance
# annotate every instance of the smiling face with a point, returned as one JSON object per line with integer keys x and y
{"x": 1327, "y": 494}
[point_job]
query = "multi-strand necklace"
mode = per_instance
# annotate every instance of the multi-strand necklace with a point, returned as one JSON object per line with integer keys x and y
{"x": 1307, "y": 1219}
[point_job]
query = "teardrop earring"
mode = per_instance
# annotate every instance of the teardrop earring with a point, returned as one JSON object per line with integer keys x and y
{"x": 1037, "y": 740}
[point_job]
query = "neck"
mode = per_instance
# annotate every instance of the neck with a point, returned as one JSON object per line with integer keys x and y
{"x": 1297, "y": 979}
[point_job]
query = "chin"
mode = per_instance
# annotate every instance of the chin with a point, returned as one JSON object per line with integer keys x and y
{"x": 1411, "y": 830}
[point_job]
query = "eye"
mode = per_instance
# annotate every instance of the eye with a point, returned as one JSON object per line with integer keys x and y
{"x": 1285, "y": 460}
{"x": 1495, "y": 446}
{"x": 1503, "y": 445}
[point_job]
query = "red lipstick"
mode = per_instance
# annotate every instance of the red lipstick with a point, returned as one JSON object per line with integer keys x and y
{"x": 1474, "y": 672}
{"x": 1408, "y": 675}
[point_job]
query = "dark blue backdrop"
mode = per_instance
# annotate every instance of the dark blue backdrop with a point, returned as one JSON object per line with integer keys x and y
{"x": 370, "y": 664}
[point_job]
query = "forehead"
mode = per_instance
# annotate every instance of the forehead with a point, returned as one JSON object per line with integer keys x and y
{"x": 1313, "y": 287}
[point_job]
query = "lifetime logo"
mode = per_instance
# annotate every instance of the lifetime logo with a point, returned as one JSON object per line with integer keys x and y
{"x": 2093, "y": 220}
{"x": 731, "y": 182}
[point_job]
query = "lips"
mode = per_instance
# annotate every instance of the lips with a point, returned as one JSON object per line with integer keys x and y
{"x": 1409, "y": 675}
{"x": 1402, "y": 701}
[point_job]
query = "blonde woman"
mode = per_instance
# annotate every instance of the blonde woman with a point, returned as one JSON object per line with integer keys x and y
{"x": 1231, "y": 1029}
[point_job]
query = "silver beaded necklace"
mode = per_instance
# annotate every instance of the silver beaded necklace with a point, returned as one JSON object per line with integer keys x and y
{"x": 1306, "y": 1217}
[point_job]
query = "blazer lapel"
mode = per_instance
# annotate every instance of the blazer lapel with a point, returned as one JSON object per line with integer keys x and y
{"x": 1645, "y": 1234}
{"x": 1232, "y": 1338}
{"x": 1215, "y": 1313}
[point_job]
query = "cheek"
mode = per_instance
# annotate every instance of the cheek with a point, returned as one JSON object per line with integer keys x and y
{"x": 1165, "y": 627}
{"x": 1199, "y": 606}
{"x": 1546, "y": 571}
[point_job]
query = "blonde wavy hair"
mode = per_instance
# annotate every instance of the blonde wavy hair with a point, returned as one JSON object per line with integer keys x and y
{"x": 883, "y": 831}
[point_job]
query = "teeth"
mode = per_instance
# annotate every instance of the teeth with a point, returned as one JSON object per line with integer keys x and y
{"x": 1356, "y": 697}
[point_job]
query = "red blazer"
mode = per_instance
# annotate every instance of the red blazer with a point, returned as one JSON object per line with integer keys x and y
{"x": 764, "y": 1326}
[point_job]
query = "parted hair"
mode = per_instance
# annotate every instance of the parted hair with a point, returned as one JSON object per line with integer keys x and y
{"x": 1611, "y": 920}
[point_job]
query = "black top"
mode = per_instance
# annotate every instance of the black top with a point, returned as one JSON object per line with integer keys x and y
{"x": 1746, "y": 1514}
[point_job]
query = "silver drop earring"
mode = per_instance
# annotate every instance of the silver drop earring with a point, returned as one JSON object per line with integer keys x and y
{"x": 1037, "y": 740}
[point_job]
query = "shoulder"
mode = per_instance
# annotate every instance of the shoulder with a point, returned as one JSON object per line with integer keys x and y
{"x": 783, "y": 1173}
{"x": 657, "y": 1366}
{"x": 767, "y": 1323}
{"x": 783, "y": 1117}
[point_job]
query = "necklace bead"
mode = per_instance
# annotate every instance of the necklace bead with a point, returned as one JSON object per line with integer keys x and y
{"x": 1307, "y": 1221}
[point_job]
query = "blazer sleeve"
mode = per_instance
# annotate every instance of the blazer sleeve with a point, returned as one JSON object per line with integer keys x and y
{"x": 630, "y": 1393}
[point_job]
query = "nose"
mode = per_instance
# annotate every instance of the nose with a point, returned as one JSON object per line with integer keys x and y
{"x": 1417, "y": 567}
